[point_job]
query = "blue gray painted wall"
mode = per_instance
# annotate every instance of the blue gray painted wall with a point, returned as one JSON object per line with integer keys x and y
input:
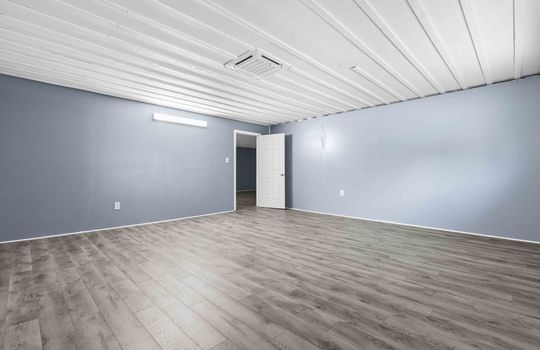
{"x": 467, "y": 161}
{"x": 67, "y": 155}
{"x": 246, "y": 169}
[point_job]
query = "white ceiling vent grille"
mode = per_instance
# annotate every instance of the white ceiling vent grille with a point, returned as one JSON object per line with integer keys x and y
{"x": 255, "y": 64}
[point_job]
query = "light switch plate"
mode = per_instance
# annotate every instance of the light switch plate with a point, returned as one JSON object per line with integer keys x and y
{"x": 227, "y": 160}
{"x": 341, "y": 193}
{"x": 116, "y": 205}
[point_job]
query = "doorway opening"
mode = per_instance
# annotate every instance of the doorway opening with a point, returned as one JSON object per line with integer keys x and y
{"x": 245, "y": 169}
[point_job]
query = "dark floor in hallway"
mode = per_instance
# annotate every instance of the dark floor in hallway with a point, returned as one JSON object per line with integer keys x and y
{"x": 246, "y": 200}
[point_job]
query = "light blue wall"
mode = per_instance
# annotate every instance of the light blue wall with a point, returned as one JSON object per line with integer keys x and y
{"x": 66, "y": 155}
{"x": 467, "y": 161}
{"x": 246, "y": 169}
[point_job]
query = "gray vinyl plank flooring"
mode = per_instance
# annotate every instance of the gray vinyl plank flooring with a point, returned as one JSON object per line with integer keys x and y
{"x": 270, "y": 279}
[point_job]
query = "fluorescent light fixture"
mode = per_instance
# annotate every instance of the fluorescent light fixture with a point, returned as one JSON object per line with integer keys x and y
{"x": 180, "y": 120}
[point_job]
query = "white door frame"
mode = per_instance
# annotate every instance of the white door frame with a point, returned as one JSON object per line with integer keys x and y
{"x": 236, "y": 132}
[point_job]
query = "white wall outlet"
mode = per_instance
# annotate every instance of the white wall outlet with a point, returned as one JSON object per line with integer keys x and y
{"x": 116, "y": 205}
{"x": 227, "y": 160}
{"x": 341, "y": 193}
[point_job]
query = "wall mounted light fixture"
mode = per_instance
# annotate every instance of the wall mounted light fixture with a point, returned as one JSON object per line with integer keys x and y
{"x": 180, "y": 120}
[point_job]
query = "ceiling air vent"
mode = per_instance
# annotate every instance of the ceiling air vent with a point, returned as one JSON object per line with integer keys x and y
{"x": 255, "y": 64}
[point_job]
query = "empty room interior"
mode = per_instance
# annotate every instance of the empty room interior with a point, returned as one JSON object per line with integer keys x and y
{"x": 258, "y": 175}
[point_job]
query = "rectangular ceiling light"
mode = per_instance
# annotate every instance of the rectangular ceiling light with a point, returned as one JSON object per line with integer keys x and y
{"x": 180, "y": 120}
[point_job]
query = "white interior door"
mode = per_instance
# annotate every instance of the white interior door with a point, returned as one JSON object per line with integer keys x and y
{"x": 271, "y": 171}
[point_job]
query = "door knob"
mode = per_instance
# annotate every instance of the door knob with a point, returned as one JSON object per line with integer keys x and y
{"x": 282, "y": 174}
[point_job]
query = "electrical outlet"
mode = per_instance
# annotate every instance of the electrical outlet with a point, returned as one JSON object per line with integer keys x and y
{"x": 227, "y": 160}
{"x": 116, "y": 205}
{"x": 341, "y": 193}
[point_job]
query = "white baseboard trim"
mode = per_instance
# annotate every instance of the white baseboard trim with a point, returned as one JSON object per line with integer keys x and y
{"x": 418, "y": 226}
{"x": 303, "y": 210}
{"x": 115, "y": 227}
